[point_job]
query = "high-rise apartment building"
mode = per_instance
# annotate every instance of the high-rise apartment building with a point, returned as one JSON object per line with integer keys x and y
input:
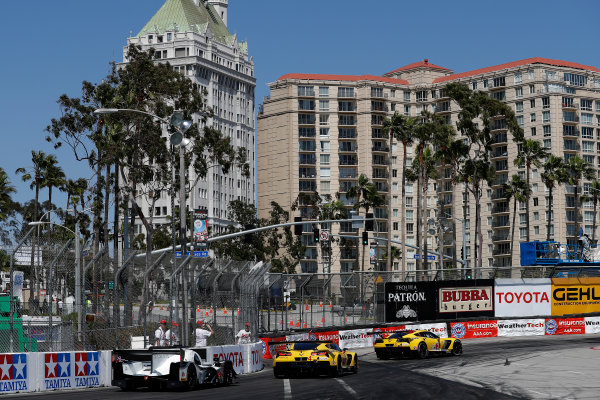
{"x": 319, "y": 132}
{"x": 192, "y": 36}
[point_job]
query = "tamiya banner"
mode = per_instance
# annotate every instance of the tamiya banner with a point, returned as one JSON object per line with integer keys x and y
{"x": 410, "y": 301}
{"x": 474, "y": 329}
{"x": 565, "y": 326}
{"x": 575, "y": 296}
{"x": 521, "y": 327}
{"x": 522, "y": 297}
{"x": 71, "y": 370}
{"x": 14, "y": 373}
{"x": 200, "y": 229}
{"x": 355, "y": 338}
{"x": 592, "y": 324}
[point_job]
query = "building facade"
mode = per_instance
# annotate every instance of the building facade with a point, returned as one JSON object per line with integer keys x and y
{"x": 319, "y": 132}
{"x": 192, "y": 36}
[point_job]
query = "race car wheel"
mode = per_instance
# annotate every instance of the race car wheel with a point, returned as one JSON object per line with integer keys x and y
{"x": 192, "y": 381}
{"x": 336, "y": 370}
{"x": 457, "y": 348}
{"x": 277, "y": 373}
{"x": 422, "y": 351}
{"x": 354, "y": 368}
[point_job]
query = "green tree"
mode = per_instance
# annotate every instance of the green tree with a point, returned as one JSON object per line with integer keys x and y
{"x": 518, "y": 190}
{"x": 578, "y": 169}
{"x": 530, "y": 152}
{"x": 401, "y": 128}
{"x": 55, "y": 176}
{"x": 595, "y": 189}
{"x": 7, "y": 205}
{"x": 554, "y": 173}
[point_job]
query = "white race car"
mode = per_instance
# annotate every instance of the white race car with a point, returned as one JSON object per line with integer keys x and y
{"x": 170, "y": 368}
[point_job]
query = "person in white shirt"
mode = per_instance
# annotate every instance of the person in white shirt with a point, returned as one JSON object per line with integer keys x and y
{"x": 243, "y": 336}
{"x": 203, "y": 332}
{"x": 171, "y": 335}
{"x": 160, "y": 334}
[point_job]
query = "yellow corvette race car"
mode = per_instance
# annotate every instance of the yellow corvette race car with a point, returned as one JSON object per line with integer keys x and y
{"x": 314, "y": 358}
{"x": 418, "y": 344}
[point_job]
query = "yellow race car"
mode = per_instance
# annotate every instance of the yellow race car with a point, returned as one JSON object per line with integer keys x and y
{"x": 314, "y": 358}
{"x": 418, "y": 344}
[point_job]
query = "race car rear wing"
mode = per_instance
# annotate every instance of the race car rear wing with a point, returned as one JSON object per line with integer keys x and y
{"x": 300, "y": 341}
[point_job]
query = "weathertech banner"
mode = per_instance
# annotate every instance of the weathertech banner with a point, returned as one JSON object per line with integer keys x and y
{"x": 474, "y": 329}
{"x": 410, "y": 301}
{"x": 356, "y": 338}
{"x": 440, "y": 328}
{"x": 592, "y": 324}
{"x": 521, "y": 327}
{"x": 565, "y": 326}
{"x": 575, "y": 296}
{"x": 466, "y": 298}
{"x": 522, "y": 297}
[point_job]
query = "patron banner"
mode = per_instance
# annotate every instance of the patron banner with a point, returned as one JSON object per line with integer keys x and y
{"x": 521, "y": 327}
{"x": 522, "y": 297}
{"x": 410, "y": 301}
{"x": 575, "y": 296}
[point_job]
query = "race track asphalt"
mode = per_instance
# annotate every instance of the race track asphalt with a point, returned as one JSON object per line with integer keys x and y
{"x": 553, "y": 367}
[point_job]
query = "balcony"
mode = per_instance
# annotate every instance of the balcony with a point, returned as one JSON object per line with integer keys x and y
{"x": 500, "y": 138}
{"x": 306, "y": 146}
{"x": 380, "y": 160}
{"x": 348, "y": 254}
{"x": 501, "y": 237}
{"x": 307, "y": 173}
{"x": 348, "y": 173}
{"x": 572, "y": 119}
{"x": 501, "y": 251}
{"x": 307, "y": 186}
{"x": 570, "y": 105}
{"x": 307, "y": 159}
{"x": 345, "y": 106}
{"x": 499, "y": 153}
{"x": 380, "y": 174}
{"x": 500, "y": 209}
{"x": 346, "y": 94}
{"x": 498, "y": 125}
{"x": 380, "y": 147}
{"x": 500, "y": 223}
{"x": 378, "y": 134}
{"x": 348, "y": 147}
{"x": 381, "y": 187}
{"x": 572, "y": 147}
{"x": 347, "y": 133}
{"x": 348, "y": 160}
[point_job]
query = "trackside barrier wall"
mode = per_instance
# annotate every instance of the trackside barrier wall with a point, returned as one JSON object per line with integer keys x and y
{"x": 37, "y": 372}
{"x": 246, "y": 358}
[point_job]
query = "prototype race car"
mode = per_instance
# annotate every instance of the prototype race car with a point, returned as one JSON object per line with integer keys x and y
{"x": 314, "y": 358}
{"x": 171, "y": 368}
{"x": 418, "y": 344}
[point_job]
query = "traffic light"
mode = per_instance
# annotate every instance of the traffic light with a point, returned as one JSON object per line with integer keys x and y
{"x": 101, "y": 235}
{"x": 365, "y": 238}
{"x": 468, "y": 274}
{"x": 462, "y": 253}
{"x": 316, "y": 235}
{"x": 298, "y": 228}
{"x": 368, "y": 222}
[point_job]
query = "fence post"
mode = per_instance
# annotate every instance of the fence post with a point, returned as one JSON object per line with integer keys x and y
{"x": 116, "y": 301}
{"x": 12, "y": 296}
{"x": 51, "y": 284}
{"x": 146, "y": 273}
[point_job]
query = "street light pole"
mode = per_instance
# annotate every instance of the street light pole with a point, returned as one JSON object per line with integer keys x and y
{"x": 183, "y": 226}
{"x": 78, "y": 279}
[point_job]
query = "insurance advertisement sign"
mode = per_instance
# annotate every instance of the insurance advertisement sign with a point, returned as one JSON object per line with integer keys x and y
{"x": 474, "y": 329}
{"x": 575, "y": 296}
{"x": 565, "y": 326}
{"x": 520, "y": 298}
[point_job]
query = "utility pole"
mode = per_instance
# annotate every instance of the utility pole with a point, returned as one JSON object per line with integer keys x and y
{"x": 183, "y": 228}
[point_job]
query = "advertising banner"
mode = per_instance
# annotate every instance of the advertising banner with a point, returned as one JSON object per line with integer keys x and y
{"x": 410, "y": 301}
{"x": 565, "y": 326}
{"x": 440, "y": 329}
{"x": 474, "y": 329}
{"x": 200, "y": 229}
{"x": 522, "y": 297}
{"x": 254, "y": 356}
{"x": 14, "y": 373}
{"x": 355, "y": 338}
{"x": 331, "y": 335}
{"x": 521, "y": 327}
{"x": 464, "y": 298}
{"x": 592, "y": 324}
{"x": 233, "y": 353}
{"x": 575, "y": 296}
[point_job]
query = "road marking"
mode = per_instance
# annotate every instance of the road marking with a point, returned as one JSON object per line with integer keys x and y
{"x": 543, "y": 394}
{"x": 575, "y": 372}
{"x": 287, "y": 389}
{"x": 348, "y": 388}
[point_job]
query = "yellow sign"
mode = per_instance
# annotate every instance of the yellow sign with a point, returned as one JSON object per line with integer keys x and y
{"x": 575, "y": 296}
{"x": 378, "y": 279}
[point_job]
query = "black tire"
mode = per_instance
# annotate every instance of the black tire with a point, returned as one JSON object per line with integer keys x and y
{"x": 336, "y": 370}
{"x": 192, "y": 378}
{"x": 422, "y": 351}
{"x": 354, "y": 368}
{"x": 277, "y": 373}
{"x": 457, "y": 348}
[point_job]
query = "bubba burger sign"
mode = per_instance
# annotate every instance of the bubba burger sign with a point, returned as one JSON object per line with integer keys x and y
{"x": 465, "y": 299}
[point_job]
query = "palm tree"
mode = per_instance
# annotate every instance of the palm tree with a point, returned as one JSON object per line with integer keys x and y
{"x": 595, "y": 196}
{"x": 55, "y": 176}
{"x": 578, "y": 169}
{"x": 531, "y": 152}
{"x": 402, "y": 128}
{"x": 518, "y": 190}
{"x": 35, "y": 174}
{"x": 6, "y": 202}
{"x": 554, "y": 172}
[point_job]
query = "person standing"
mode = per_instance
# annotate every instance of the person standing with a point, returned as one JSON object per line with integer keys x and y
{"x": 171, "y": 337}
{"x": 160, "y": 334}
{"x": 243, "y": 336}
{"x": 203, "y": 332}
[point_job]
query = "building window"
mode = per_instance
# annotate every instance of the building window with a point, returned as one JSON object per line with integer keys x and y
{"x": 545, "y": 102}
{"x": 518, "y": 77}
{"x": 323, "y": 105}
{"x": 586, "y": 119}
{"x": 532, "y": 103}
{"x": 324, "y": 159}
{"x": 406, "y": 96}
{"x": 520, "y": 120}
{"x": 499, "y": 81}
{"x": 325, "y": 186}
{"x": 532, "y": 117}
{"x": 324, "y": 131}
{"x": 345, "y": 92}
{"x": 406, "y": 110}
{"x": 587, "y": 133}
{"x": 533, "y": 130}
{"x": 325, "y": 146}
{"x": 323, "y": 91}
{"x": 474, "y": 85}
{"x": 308, "y": 91}
{"x": 546, "y": 116}
{"x": 422, "y": 95}
{"x": 531, "y": 89}
{"x": 324, "y": 119}
{"x": 518, "y": 92}
{"x": 519, "y": 106}
{"x": 410, "y": 227}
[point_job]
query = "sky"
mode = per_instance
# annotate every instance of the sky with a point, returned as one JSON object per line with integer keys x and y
{"x": 50, "y": 47}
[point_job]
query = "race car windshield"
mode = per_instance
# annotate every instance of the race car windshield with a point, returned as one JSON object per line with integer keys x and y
{"x": 399, "y": 335}
{"x": 305, "y": 346}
